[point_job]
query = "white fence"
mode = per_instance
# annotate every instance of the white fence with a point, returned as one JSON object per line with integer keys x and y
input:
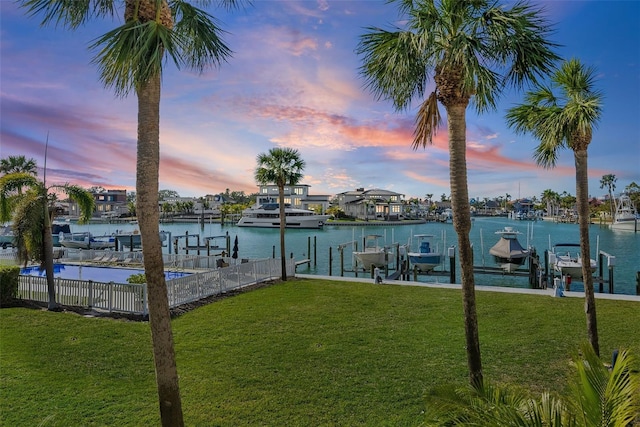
{"x": 132, "y": 298}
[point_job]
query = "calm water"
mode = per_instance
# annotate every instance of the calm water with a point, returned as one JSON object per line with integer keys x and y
{"x": 260, "y": 243}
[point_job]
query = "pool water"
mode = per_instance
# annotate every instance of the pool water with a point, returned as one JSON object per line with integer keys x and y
{"x": 97, "y": 274}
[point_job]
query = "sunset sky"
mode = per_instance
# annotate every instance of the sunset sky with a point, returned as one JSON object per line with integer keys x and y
{"x": 293, "y": 81}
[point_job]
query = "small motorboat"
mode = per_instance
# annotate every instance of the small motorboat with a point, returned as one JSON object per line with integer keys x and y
{"x": 373, "y": 255}
{"x": 566, "y": 260}
{"x": 427, "y": 258}
{"x": 508, "y": 252}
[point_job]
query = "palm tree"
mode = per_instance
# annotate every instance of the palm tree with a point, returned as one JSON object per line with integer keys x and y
{"x": 131, "y": 58}
{"x": 472, "y": 51}
{"x": 32, "y": 215}
{"x": 609, "y": 181}
{"x": 563, "y": 115}
{"x": 280, "y": 166}
{"x": 15, "y": 164}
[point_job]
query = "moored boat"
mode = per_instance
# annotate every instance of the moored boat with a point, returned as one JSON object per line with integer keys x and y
{"x": 566, "y": 260}
{"x": 508, "y": 252}
{"x": 86, "y": 241}
{"x": 427, "y": 257}
{"x": 372, "y": 255}
{"x": 268, "y": 216}
{"x": 626, "y": 216}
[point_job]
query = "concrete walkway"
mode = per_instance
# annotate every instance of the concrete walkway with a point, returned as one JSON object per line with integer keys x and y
{"x": 542, "y": 292}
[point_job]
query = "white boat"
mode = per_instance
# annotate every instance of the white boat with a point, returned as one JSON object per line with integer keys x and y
{"x": 372, "y": 255}
{"x": 268, "y": 216}
{"x": 86, "y": 241}
{"x": 508, "y": 252}
{"x": 566, "y": 260}
{"x": 427, "y": 258}
{"x": 626, "y": 216}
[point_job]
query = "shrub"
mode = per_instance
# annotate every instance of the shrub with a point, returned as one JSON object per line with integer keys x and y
{"x": 8, "y": 283}
{"x": 139, "y": 278}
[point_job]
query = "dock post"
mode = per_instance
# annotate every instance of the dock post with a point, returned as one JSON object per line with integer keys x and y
{"x": 611, "y": 262}
{"x": 330, "y": 260}
{"x": 452, "y": 265}
{"x": 315, "y": 250}
{"x": 637, "y": 282}
{"x": 342, "y": 263}
{"x": 309, "y": 247}
{"x": 601, "y": 272}
{"x": 415, "y": 273}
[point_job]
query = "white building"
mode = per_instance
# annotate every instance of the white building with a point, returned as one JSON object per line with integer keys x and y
{"x": 295, "y": 195}
{"x": 372, "y": 204}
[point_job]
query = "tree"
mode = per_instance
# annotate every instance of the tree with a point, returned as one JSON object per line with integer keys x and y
{"x": 472, "y": 50}
{"x": 609, "y": 182}
{"x": 280, "y": 166}
{"x": 17, "y": 164}
{"x": 131, "y": 59}
{"x": 563, "y": 115}
{"x": 32, "y": 215}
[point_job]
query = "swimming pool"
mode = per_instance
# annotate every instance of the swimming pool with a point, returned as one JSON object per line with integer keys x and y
{"x": 95, "y": 273}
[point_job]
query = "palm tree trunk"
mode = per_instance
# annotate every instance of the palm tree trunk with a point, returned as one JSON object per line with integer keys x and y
{"x": 47, "y": 257}
{"x": 456, "y": 124}
{"x": 283, "y": 257}
{"x": 582, "y": 200}
{"x": 148, "y": 162}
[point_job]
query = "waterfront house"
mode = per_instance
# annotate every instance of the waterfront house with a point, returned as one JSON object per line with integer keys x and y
{"x": 295, "y": 195}
{"x": 372, "y": 204}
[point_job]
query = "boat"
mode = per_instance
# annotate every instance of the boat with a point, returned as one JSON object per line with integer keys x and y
{"x": 6, "y": 236}
{"x": 372, "y": 255}
{"x": 427, "y": 258}
{"x": 86, "y": 240}
{"x": 626, "y": 217}
{"x": 508, "y": 252}
{"x": 59, "y": 229}
{"x": 566, "y": 260}
{"x": 268, "y": 216}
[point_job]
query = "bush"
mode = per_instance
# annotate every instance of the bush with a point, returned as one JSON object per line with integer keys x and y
{"x": 139, "y": 278}
{"x": 8, "y": 283}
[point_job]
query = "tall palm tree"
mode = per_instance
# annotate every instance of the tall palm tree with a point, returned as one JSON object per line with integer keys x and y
{"x": 131, "y": 59}
{"x": 609, "y": 181}
{"x": 472, "y": 50}
{"x": 280, "y": 166}
{"x": 32, "y": 215}
{"x": 563, "y": 115}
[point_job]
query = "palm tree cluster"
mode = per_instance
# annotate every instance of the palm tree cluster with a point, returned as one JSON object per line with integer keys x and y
{"x": 32, "y": 213}
{"x": 449, "y": 52}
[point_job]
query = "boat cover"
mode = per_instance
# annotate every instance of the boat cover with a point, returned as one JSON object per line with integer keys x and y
{"x": 509, "y": 249}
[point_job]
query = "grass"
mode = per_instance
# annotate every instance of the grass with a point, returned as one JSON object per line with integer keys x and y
{"x": 304, "y": 352}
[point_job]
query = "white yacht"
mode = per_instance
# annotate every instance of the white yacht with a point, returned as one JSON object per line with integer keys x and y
{"x": 626, "y": 217}
{"x": 268, "y": 216}
{"x": 566, "y": 260}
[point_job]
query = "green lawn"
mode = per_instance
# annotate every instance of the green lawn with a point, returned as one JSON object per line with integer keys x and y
{"x": 304, "y": 352}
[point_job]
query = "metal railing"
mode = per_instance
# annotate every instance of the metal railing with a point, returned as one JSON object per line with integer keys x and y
{"x": 132, "y": 298}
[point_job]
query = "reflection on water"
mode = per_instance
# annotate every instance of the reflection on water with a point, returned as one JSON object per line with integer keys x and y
{"x": 315, "y": 244}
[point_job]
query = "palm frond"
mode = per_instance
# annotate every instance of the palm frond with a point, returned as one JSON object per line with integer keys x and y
{"x": 82, "y": 197}
{"x": 133, "y": 53}
{"x": 393, "y": 67}
{"x": 28, "y": 224}
{"x": 69, "y": 13}
{"x": 427, "y": 122}
{"x": 200, "y": 37}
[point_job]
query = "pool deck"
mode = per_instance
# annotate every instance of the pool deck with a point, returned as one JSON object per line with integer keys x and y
{"x": 549, "y": 292}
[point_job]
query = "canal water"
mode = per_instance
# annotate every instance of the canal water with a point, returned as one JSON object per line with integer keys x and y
{"x": 315, "y": 245}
